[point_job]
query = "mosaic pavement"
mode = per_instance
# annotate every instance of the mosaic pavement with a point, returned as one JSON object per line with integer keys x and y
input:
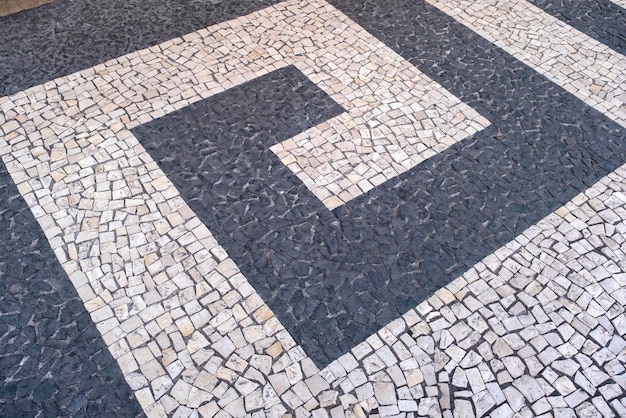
{"x": 311, "y": 208}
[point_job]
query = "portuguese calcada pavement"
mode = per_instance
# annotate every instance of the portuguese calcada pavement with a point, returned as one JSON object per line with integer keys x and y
{"x": 313, "y": 208}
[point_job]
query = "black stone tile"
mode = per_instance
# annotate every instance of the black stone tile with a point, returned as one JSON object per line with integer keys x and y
{"x": 49, "y": 366}
{"x": 600, "y": 19}
{"x": 66, "y": 36}
{"x": 333, "y": 278}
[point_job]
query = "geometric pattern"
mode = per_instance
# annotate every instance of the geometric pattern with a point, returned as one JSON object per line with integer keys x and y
{"x": 533, "y": 319}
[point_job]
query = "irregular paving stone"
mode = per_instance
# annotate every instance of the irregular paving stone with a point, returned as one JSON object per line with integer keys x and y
{"x": 529, "y": 388}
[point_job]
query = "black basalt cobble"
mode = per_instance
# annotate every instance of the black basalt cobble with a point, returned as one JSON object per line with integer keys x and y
{"x": 333, "y": 278}
{"x": 53, "y": 362}
{"x": 65, "y": 36}
{"x": 602, "y": 20}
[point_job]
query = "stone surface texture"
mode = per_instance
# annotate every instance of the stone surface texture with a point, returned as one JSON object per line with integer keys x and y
{"x": 53, "y": 360}
{"x": 321, "y": 210}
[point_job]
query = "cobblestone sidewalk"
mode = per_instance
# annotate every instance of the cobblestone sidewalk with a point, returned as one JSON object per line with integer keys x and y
{"x": 312, "y": 208}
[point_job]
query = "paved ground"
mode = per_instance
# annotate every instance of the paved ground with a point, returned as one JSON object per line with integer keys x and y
{"x": 311, "y": 208}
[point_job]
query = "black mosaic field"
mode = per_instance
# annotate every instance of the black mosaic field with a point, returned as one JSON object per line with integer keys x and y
{"x": 333, "y": 278}
{"x": 53, "y": 362}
